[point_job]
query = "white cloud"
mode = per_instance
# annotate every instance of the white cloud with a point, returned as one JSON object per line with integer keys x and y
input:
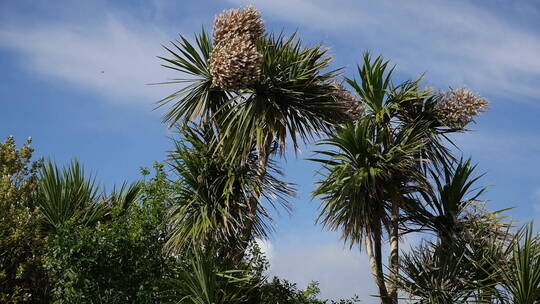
{"x": 340, "y": 272}
{"x": 113, "y": 59}
{"x": 266, "y": 248}
{"x": 306, "y": 255}
{"x": 315, "y": 14}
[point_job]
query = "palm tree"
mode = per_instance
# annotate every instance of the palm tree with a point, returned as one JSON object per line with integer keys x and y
{"x": 485, "y": 264}
{"x": 436, "y": 273}
{"x": 361, "y": 178}
{"x": 388, "y": 107}
{"x": 289, "y": 98}
{"x": 380, "y": 163}
{"x": 259, "y": 92}
{"x": 213, "y": 200}
{"x": 460, "y": 265}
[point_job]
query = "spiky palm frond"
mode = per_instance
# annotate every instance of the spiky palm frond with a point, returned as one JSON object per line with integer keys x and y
{"x": 205, "y": 282}
{"x": 520, "y": 275}
{"x": 484, "y": 238}
{"x": 292, "y": 99}
{"x": 462, "y": 266}
{"x": 374, "y": 87}
{"x": 465, "y": 271}
{"x": 198, "y": 98}
{"x": 67, "y": 194}
{"x": 122, "y": 198}
{"x": 415, "y": 105}
{"x": 446, "y": 200}
{"x": 435, "y": 273}
{"x": 404, "y": 104}
{"x": 214, "y": 198}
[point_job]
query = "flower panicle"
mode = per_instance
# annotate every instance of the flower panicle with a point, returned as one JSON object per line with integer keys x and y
{"x": 238, "y": 22}
{"x": 349, "y": 104}
{"x": 459, "y": 107}
{"x": 235, "y": 62}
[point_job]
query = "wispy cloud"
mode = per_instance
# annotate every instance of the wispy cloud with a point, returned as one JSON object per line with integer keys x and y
{"x": 113, "y": 59}
{"x": 457, "y": 43}
{"x": 266, "y": 248}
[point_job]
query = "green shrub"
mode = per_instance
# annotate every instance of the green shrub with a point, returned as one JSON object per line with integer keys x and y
{"x": 116, "y": 262}
{"x": 22, "y": 245}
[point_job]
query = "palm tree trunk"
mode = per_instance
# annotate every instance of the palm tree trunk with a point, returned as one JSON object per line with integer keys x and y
{"x": 263, "y": 155}
{"x": 374, "y": 252}
{"x": 394, "y": 251}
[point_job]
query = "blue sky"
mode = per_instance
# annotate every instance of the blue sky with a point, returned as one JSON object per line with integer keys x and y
{"x": 74, "y": 77}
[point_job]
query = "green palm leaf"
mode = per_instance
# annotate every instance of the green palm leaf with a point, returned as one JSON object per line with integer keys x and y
{"x": 67, "y": 194}
{"x": 204, "y": 282}
{"x": 197, "y": 98}
{"x": 520, "y": 276}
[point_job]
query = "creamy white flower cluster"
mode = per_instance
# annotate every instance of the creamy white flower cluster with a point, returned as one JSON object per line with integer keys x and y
{"x": 238, "y": 22}
{"x": 458, "y": 107}
{"x": 235, "y": 62}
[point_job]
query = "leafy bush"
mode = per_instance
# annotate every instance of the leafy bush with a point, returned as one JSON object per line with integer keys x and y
{"x": 119, "y": 261}
{"x": 22, "y": 277}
